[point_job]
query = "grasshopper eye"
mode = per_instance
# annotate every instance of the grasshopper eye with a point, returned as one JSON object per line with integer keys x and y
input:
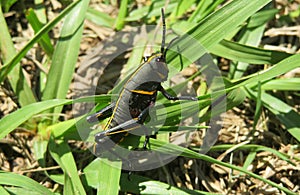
{"x": 160, "y": 59}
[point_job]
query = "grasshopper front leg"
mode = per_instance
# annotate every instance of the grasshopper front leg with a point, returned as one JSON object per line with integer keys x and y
{"x": 102, "y": 114}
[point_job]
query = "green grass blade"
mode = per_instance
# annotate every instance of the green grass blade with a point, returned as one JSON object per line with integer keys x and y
{"x": 142, "y": 185}
{"x": 13, "y": 120}
{"x": 152, "y": 10}
{"x": 248, "y": 54}
{"x": 40, "y": 10}
{"x": 261, "y": 18}
{"x": 7, "y": 46}
{"x": 68, "y": 186}
{"x": 102, "y": 175}
{"x": 37, "y": 26}
{"x": 65, "y": 56}
{"x": 258, "y": 106}
{"x": 62, "y": 154}
{"x": 203, "y": 9}
{"x": 13, "y": 179}
{"x": 4, "y": 70}
{"x": 282, "y": 67}
{"x": 234, "y": 98}
{"x": 7, "y": 4}
{"x": 3, "y": 191}
{"x": 67, "y": 129}
{"x": 40, "y": 149}
{"x": 120, "y": 21}
{"x": 136, "y": 56}
{"x": 250, "y": 158}
{"x": 212, "y": 29}
{"x": 182, "y": 7}
{"x": 286, "y": 84}
{"x": 99, "y": 18}
{"x": 174, "y": 149}
{"x": 177, "y": 111}
{"x": 251, "y": 34}
{"x": 92, "y": 173}
{"x": 58, "y": 178}
{"x": 16, "y": 77}
{"x": 255, "y": 148}
{"x": 285, "y": 113}
{"x": 110, "y": 176}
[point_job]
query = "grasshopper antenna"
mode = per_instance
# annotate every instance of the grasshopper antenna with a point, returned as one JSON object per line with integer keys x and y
{"x": 162, "y": 49}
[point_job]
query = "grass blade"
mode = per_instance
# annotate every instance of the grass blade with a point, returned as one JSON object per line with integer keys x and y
{"x": 250, "y": 35}
{"x": 152, "y": 10}
{"x": 282, "y": 67}
{"x": 244, "y": 53}
{"x": 65, "y": 56}
{"x": 4, "y": 70}
{"x": 120, "y": 21}
{"x": 287, "y": 84}
{"x": 255, "y": 148}
{"x": 7, "y": 178}
{"x": 182, "y": 7}
{"x": 3, "y": 191}
{"x": 103, "y": 174}
{"x": 13, "y": 120}
{"x": 99, "y": 18}
{"x": 287, "y": 116}
{"x": 16, "y": 77}
{"x": 212, "y": 29}
{"x": 203, "y": 9}
{"x": 62, "y": 154}
{"x": 37, "y": 25}
{"x": 143, "y": 185}
{"x": 174, "y": 149}
{"x": 111, "y": 172}
{"x": 258, "y": 106}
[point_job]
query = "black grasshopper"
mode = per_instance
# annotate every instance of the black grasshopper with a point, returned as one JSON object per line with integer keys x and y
{"x": 138, "y": 95}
